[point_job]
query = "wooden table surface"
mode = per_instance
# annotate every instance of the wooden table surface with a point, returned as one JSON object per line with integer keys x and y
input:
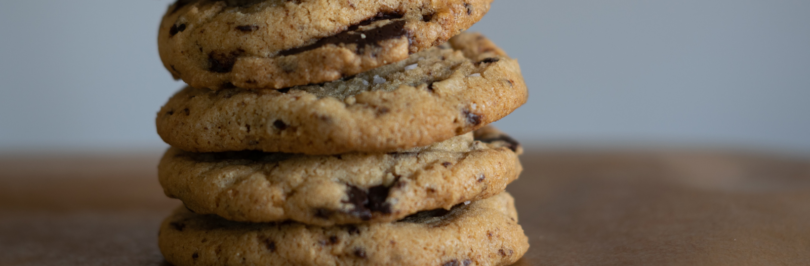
{"x": 578, "y": 208}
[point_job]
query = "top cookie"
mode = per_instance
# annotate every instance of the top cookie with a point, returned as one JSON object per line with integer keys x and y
{"x": 275, "y": 44}
{"x": 434, "y": 95}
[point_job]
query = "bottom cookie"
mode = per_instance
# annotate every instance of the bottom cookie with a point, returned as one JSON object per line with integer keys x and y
{"x": 484, "y": 232}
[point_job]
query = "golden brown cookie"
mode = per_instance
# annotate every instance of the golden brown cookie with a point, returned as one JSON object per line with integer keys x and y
{"x": 348, "y": 188}
{"x": 275, "y": 44}
{"x": 432, "y": 96}
{"x": 484, "y": 232}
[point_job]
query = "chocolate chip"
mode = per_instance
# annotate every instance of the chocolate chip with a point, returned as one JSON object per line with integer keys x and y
{"x": 248, "y": 128}
{"x": 222, "y": 62}
{"x": 481, "y": 178}
{"x": 469, "y": 8}
{"x": 452, "y": 263}
{"x": 195, "y": 255}
{"x": 360, "y": 253}
{"x": 362, "y": 39}
{"x": 382, "y": 110}
{"x": 284, "y": 90}
{"x": 472, "y": 118}
{"x": 447, "y": 164}
{"x": 177, "y": 226}
{"x": 280, "y": 125}
{"x": 488, "y": 60}
{"x": 247, "y": 28}
{"x": 466, "y": 262}
{"x": 187, "y": 111}
{"x": 428, "y": 17}
{"x": 513, "y": 144}
{"x": 176, "y": 29}
{"x": 333, "y": 240}
{"x": 171, "y": 112}
{"x": 503, "y": 254}
{"x": 270, "y": 245}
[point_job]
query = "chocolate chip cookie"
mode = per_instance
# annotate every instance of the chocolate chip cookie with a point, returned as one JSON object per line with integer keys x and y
{"x": 260, "y": 44}
{"x": 341, "y": 189}
{"x": 484, "y": 232}
{"x": 432, "y": 96}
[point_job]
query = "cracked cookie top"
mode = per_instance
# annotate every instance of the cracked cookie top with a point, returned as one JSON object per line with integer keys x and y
{"x": 275, "y": 44}
{"x": 432, "y": 96}
{"x": 341, "y": 189}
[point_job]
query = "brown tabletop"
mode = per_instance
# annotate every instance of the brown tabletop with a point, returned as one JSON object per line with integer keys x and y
{"x": 578, "y": 208}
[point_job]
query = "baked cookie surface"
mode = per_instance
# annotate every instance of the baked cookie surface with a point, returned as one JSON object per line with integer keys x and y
{"x": 349, "y": 188}
{"x": 432, "y": 96}
{"x": 484, "y": 232}
{"x": 272, "y": 44}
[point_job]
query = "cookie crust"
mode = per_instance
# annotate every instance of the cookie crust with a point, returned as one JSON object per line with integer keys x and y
{"x": 433, "y": 96}
{"x": 273, "y": 44}
{"x": 484, "y": 232}
{"x": 344, "y": 189}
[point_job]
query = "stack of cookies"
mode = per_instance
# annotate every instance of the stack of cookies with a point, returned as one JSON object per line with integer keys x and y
{"x": 338, "y": 132}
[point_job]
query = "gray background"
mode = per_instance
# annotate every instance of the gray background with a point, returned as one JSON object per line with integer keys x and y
{"x": 84, "y": 75}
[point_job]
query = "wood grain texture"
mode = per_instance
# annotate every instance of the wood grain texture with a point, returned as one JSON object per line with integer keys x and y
{"x": 578, "y": 208}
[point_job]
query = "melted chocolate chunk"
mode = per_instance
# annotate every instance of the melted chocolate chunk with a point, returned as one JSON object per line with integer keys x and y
{"x": 472, "y": 118}
{"x": 176, "y": 29}
{"x": 367, "y": 202}
{"x": 222, "y": 62}
{"x": 195, "y": 255}
{"x": 247, "y": 28}
{"x": 363, "y": 39}
{"x": 376, "y": 199}
{"x": 513, "y": 144}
